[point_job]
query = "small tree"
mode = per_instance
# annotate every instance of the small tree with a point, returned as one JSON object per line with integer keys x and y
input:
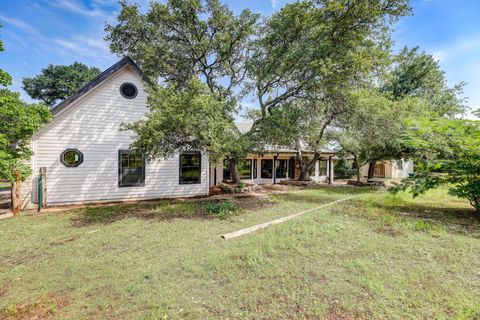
{"x": 18, "y": 122}
{"x": 57, "y": 82}
{"x": 448, "y": 154}
{"x": 344, "y": 169}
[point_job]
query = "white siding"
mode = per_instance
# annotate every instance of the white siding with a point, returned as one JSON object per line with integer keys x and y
{"x": 91, "y": 125}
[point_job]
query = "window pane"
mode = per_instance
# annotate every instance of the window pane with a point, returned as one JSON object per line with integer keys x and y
{"x": 226, "y": 169}
{"x": 267, "y": 169}
{"x": 245, "y": 169}
{"x": 190, "y": 168}
{"x": 323, "y": 168}
{"x": 281, "y": 169}
{"x": 132, "y": 169}
{"x": 255, "y": 169}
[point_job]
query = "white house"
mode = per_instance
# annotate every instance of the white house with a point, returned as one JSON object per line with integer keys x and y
{"x": 391, "y": 169}
{"x": 86, "y": 156}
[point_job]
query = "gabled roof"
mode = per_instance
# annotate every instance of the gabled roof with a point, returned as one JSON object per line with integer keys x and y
{"x": 95, "y": 82}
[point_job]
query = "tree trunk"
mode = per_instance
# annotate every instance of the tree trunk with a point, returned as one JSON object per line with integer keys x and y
{"x": 15, "y": 194}
{"x": 306, "y": 167}
{"x": 371, "y": 169}
{"x": 234, "y": 175}
{"x": 357, "y": 168}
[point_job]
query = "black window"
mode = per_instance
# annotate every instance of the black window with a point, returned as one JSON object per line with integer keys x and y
{"x": 255, "y": 170}
{"x": 322, "y": 168}
{"x": 281, "y": 168}
{"x": 226, "y": 170}
{"x": 190, "y": 167}
{"x": 267, "y": 168}
{"x": 131, "y": 169}
{"x": 245, "y": 169}
{"x": 291, "y": 171}
{"x": 128, "y": 90}
{"x": 71, "y": 157}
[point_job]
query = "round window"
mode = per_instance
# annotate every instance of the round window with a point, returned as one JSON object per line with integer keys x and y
{"x": 71, "y": 157}
{"x": 128, "y": 90}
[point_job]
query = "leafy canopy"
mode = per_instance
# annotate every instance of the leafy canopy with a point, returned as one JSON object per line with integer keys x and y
{"x": 448, "y": 154}
{"x": 5, "y": 78}
{"x": 418, "y": 74}
{"x": 18, "y": 122}
{"x": 57, "y": 82}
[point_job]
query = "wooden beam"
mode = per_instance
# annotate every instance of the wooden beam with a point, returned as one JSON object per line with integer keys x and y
{"x": 257, "y": 227}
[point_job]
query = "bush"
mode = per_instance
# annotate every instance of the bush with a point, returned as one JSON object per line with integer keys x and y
{"x": 343, "y": 169}
{"x": 221, "y": 210}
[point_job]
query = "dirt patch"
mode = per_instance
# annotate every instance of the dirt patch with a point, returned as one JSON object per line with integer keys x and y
{"x": 4, "y": 288}
{"x": 21, "y": 257}
{"x": 253, "y": 203}
{"x": 162, "y": 211}
{"x": 42, "y": 308}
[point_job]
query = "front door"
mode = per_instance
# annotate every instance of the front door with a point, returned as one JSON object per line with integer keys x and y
{"x": 379, "y": 170}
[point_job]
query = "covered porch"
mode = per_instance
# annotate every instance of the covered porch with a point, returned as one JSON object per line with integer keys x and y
{"x": 272, "y": 168}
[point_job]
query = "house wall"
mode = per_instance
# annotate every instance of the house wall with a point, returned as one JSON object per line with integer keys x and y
{"x": 393, "y": 170}
{"x": 92, "y": 125}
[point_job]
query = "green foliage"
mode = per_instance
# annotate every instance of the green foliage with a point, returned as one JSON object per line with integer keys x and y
{"x": 418, "y": 74}
{"x": 5, "y": 78}
{"x": 18, "y": 122}
{"x": 343, "y": 169}
{"x": 221, "y": 210}
{"x": 372, "y": 129}
{"x": 316, "y": 49}
{"x": 447, "y": 153}
{"x": 57, "y": 82}
{"x": 185, "y": 39}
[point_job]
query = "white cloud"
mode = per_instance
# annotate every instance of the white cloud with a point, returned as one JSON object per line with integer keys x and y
{"x": 77, "y": 8}
{"x": 82, "y": 47}
{"x": 19, "y": 24}
{"x": 274, "y": 3}
{"x": 440, "y": 55}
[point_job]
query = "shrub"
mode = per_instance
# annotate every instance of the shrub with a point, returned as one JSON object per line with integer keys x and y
{"x": 343, "y": 169}
{"x": 221, "y": 210}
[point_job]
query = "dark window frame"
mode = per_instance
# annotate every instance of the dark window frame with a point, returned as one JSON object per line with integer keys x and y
{"x": 250, "y": 169}
{"x": 261, "y": 169}
{"x": 226, "y": 170}
{"x": 66, "y": 164}
{"x": 128, "y": 84}
{"x": 127, "y": 185}
{"x": 325, "y": 168}
{"x": 278, "y": 168}
{"x": 199, "y": 167}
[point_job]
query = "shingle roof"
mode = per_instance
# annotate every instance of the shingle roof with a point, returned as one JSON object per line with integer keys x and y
{"x": 95, "y": 82}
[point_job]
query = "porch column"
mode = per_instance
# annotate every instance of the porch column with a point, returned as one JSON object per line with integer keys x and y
{"x": 275, "y": 168}
{"x": 330, "y": 170}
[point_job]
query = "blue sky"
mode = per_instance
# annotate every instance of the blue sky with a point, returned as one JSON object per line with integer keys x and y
{"x": 41, "y": 32}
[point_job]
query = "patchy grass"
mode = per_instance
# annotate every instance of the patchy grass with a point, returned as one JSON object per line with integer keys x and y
{"x": 375, "y": 256}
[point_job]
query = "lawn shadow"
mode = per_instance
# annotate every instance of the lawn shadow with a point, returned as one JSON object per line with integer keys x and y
{"x": 455, "y": 219}
{"x": 167, "y": 210}
{"x": 322, "y": 195}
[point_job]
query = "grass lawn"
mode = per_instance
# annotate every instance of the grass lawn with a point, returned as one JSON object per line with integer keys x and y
{"x": 375, "y": 256}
